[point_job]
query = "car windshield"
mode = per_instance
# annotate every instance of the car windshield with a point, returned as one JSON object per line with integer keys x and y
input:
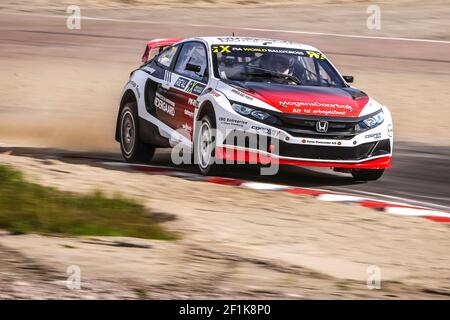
{"x": 271, "y": 64}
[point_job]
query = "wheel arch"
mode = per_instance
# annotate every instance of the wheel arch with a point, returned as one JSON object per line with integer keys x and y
{"x": 206, "y": 107}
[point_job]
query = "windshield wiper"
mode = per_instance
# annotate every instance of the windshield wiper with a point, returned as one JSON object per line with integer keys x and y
{"x": 267, "y": 72}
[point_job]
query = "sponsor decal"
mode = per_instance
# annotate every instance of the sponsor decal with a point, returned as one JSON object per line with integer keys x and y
{"x": 226, "y": 49}
{"x": 221, "y": 49}
{"x": 190, "y": 86}
{"x": 317, "y": 108}
{"x": 195, "y": 88}
{"x": 192, "y": 102}
{"x": 315, "y": 55}
{"x": 251, "y": 49}
{"x": 164, "y": 104}
{"x": 238, "y": 39}
{"x": 188, "y": 113}
{"x": 241, "y": 94}
{"x": 229, "y": 39}
{"x": 266, "y": 131}
{"x": 198, "y": 89}
{"x": 390, "y": 130}
{"x": 150, "y": 69}
{"x": 298, "y": 104}
{"x": 232, "y": 122}
{"x": 373, "y": 136}
{"x": 287, "y": 51}
{"x": 181, "y": 83}
{"x": 254, "y": 40}
{"x": 319, "y": 112}
{"x": 322, "y": 142}
{"x": 266, "y": 50}
{"x": 186, "y": 127}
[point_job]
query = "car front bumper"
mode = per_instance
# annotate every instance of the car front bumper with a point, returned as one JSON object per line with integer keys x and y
{"x": 241, "y": 155}
{"x": 250, "y": 145}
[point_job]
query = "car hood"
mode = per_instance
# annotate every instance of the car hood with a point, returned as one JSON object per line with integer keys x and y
{"x": 309, "y": 100}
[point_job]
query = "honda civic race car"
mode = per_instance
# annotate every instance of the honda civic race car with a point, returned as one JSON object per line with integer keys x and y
{"x": 213, "y": 96}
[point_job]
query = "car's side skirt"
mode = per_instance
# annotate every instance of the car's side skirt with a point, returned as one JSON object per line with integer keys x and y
{"x": 150, "y": 134}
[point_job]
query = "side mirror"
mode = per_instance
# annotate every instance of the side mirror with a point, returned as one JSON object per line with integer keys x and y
{"x": 193, "y": 67}
{"x": 348, "y": 79}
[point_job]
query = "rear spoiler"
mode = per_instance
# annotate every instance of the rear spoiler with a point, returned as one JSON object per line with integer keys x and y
{"x": 159, "y": 44}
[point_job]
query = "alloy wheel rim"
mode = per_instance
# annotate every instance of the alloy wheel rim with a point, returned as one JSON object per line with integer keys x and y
{"x": 205, "y": 145}
{"x": 128, "y": 133}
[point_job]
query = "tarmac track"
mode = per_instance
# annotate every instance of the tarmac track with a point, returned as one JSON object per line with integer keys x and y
{"x": 419, "y": 175}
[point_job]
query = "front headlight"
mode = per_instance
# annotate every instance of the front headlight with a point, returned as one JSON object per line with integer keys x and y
{"x": 253, "y": 113}
{"x": 371, "y": 122}
{"x": 241, "y": 109}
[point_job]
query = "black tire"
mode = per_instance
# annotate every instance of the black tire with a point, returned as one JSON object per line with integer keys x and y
{"x": 206, "y": 167}
{"x": 133, "y": 149}
{"x": 367, "y": 174}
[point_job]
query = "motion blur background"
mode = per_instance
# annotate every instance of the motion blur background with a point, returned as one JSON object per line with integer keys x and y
{"x": 60, "y": 90}
{"x": 61, "y": 87}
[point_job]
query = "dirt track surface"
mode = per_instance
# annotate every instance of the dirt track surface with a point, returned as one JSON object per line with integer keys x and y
{"x": 232, "y": 246}
{"x": 60, "y": 88}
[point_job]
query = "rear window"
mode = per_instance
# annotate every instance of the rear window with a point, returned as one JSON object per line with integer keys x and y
{"x": 166, "y": 57}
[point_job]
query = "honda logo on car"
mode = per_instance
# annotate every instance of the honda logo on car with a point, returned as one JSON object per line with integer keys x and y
{"x": 322, "y": 126}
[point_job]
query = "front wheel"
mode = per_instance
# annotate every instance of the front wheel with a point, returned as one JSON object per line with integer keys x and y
{"x": 133, "y": 149}
{"x": 205, "y": 144}
{"x": 367, "y": 174}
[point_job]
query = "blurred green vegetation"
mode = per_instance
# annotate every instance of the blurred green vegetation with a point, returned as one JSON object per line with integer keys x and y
{"x": 31, "y": 208}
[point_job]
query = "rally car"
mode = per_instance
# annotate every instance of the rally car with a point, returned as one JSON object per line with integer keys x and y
{"x": 213, "y": 97}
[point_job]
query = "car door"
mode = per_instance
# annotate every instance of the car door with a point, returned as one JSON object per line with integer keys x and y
{"x": 188, "y": 80}
{"x": 157, "y": 89}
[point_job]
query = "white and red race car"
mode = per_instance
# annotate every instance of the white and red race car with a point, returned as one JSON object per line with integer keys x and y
{"x": 251, "y": 100}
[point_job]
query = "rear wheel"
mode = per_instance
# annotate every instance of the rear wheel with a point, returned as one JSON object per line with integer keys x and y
{"x": 367, "y": 174}
{"x": 133, "y": 149}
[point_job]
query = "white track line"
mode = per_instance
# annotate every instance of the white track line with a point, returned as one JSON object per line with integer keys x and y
{"x": 346, "y": 196}
{"x": 416, "y": 212}
{"x": 339, "y": 198}
{"x": 264, "y": 186}
{"x": 408, "y": 201}
{"x": 354, "y": 36}
{"x": 345, "y": 192}
{"x": 329, "y": 197}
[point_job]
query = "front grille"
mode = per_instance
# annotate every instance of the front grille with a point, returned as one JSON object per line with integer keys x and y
{"x": 326, "y": 152}
{"x": 301, "y": 126}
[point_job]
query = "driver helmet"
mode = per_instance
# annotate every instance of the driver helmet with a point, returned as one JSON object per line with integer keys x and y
{"x": 277, "y": 62}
